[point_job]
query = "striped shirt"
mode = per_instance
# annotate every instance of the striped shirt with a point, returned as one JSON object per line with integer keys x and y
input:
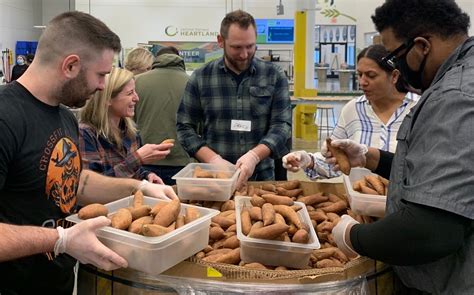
{"x": 103, "y": 157}
{"x": 213, "y": 98}
{"x": 359, "y": 122}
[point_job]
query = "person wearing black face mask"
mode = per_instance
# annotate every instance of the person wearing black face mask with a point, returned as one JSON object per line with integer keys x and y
{"x": 19, "y": 68}
{"x": 427, "y": 233}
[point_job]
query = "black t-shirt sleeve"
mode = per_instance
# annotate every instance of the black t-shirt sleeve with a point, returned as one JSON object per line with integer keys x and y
{"x": 385, "y": 164}
{"x": 417, "y": 234}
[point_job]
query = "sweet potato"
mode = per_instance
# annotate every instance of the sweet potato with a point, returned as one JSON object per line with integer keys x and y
{"x": 92, "y": 211}
{"x": 191, "y": 214}
{"x": 257, "y": 201}
{"x": 233, "y": 228}
{"x": 376, "y": 183}
{"x": 223, "y": 175}
{"x": 157, "y": 208}
{"x": 277, "y": 200}
{"x": 341, "y": 157}
{"x": 136, "y": 225}
{"x": 180, "y": 221}
{"x": 383, "y": 180}
{"x": 233, "y": 257}
{"x": 255, "y": 213}
{"x": 328, "y": 263}
{"x": 200, "y": 255}
{"x": 301, "y": 236}
{"x": 289, "y": 185}
{"x": 313, "y": 199}
{"x": 232, "y": 242}
{"x": 281, "y": 268}
{"x": 367, "y": 190}
{"x": 141, "y": 211}
{"x": 289, "y": 214}
{"x": 324, "y": 253}
{"x": 246, "y": 222}
{"x": 155, "y": 230}
{"x": 268, "y": 214}
{"x": 138, "y": 199}
{"x": 121, "y": 219}
{"x": 219, "y": 251}
{"x": 269, "y": 187}
{"x": 269, "y": 232}
{"x": 168, "y": 214}
{"x": 258, "y": 191}
{"x": 168, "y": 140}
{"x": 325, "y": 226}
{"x": 289, "y": 193}
{"x": 279, "y": 218}
{"x": 335, "y": 207}
{"x": 201, "y": 173}
{"x": 318, "y": 215}
{"x": 224, "y": 222}
{"x": 228, "y": 205}
{"x": 255, "y": 226}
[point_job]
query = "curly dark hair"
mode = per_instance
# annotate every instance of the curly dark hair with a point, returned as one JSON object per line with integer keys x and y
{"x": 411, "y": 18}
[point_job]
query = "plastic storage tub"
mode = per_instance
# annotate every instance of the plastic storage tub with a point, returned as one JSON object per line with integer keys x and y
{"x": 154, "y": 255}
{"x": 363, "y": 204}
{"x": 271, "y": 252}
{"x": 206, "y": 189}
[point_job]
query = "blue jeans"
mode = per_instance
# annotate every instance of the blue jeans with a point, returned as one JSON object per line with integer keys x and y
{"x": 165, "y": 172}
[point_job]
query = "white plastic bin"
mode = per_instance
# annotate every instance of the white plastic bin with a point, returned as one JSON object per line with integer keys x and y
{"x": 363, "y": 204}
{"x": 154, "y": 255}
{"x": 271, "y": 252}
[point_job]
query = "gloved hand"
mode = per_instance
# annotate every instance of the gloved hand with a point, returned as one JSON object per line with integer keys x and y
{"x": 159, "y": 191}
{"x": 296, "y": 160}
{"x": 354, "y": 151}
{"x": 153, "y": 178}
{"x": 80, "y": 241}
{"x": 218, "y": 160}
{"x": 247, "y": 164}
{"x": 341, "y": 233}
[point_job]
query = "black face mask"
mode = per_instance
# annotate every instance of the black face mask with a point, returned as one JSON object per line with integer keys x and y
{"x": 413, "y": 78}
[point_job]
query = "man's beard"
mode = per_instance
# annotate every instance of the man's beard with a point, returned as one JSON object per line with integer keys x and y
{"x": 239, "y": 65}
{"x": 75, "y": 92}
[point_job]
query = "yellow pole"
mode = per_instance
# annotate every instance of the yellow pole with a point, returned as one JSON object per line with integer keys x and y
{"x": 299, "y": 58}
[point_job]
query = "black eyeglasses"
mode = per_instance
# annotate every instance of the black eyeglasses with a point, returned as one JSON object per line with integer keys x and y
{"x": 391, "y": 59}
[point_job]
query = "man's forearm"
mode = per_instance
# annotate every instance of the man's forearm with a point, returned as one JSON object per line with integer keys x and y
{"x": 205, "y": 154}
{"x": 262, "y": 151}
{"x": 20, "y": 241}
{"x": 97, "y": 188}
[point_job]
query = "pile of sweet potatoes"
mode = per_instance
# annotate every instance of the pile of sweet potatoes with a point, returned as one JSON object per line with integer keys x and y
{"x": 143, "y": 219}
{"x": 371, "y": 184}
{"x": 324, "y": 210}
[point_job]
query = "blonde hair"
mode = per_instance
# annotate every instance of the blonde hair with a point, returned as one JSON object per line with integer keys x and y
{"x": 137, "y": 59}
{"x": 96, "y": 112}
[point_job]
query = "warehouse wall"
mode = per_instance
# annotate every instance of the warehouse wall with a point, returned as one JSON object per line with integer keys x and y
{"x": 17, "y": 18}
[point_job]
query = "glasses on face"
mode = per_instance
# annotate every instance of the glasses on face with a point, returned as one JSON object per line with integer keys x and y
{"x": 391, "y": 59}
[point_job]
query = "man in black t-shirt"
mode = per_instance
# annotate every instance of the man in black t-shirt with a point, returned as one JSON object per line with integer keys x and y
{"x": 41, "y": 176}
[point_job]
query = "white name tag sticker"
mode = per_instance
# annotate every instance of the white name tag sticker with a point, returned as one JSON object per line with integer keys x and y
{"x": 241, "y": 125}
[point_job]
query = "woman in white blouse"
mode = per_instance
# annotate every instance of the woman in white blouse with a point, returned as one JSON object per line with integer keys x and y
{"x": 372, "y": 119}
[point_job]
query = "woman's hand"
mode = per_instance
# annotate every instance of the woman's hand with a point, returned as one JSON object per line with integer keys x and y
{"x": 153, "y": 152}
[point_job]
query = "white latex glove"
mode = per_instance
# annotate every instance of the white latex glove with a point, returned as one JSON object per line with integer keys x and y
{"x": 159, "y": 191}
{"x": 80, "y": 241}
{"x": 150, "y": 153}
{"x": 218, "y": 160}
{"x": 354, "y": 151}
{"x": 296, "y": 160}
{"x": 247, "y": 164}
{"x": 341, "y": 233}
{"x": 153, "y": 178}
